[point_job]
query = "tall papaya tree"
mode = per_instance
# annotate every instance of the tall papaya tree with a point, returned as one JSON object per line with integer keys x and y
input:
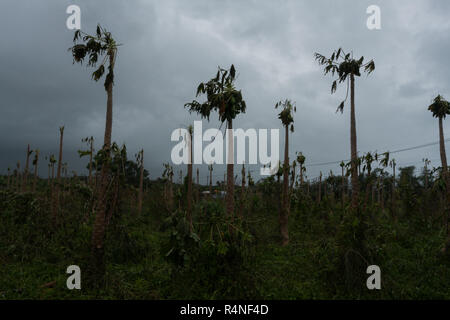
{"x": 346, "y": 68}
{"x": 101, "y": 49}
{"x": 287, "y": 119}
{"x": 223, "y": 98}
{"x": 440, "y": 108}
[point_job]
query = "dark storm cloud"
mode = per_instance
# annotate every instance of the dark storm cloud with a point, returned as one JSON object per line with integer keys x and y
{"x": 169, "y": 47}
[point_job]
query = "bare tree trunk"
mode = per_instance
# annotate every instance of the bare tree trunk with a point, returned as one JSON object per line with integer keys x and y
{"x": 393, "y": 193}
{"x": 285, "y": 207}
{"x": 343, "y": 189}
{"x": 171, "y": 192}
{"x": 319, "y": 198}
{"x": 9, "y": 179}
{"x": 36, "y": 171}
{"x": 353, "y": 143}
{"x": 301, "y": 174}
{"x": 230, "y": 172}
{"x": 49, "y": 180}
{"x": 292, "y": 179}
{"x": 25, "y": 173}
{"x": 241, "y": 209}
{"x": 18, "y": 177}
{"x": 369, "y": 189}
{"x": 90, "y": 160}
{"x": 189, "y": 186}
{"x": 58, "y": 176}
{"x": 141, "y": 182}
{"x": 198, "y": 187}
{"x": 446, "y": 177}
{"x": 210, "y": 181}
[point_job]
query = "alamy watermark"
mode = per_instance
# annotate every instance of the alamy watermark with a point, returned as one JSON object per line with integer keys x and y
{"x": 213, "y": 152}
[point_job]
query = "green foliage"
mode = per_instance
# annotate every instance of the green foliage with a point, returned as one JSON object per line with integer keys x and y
{"x": 156, "y": 256}
{"x": 222, "y": 97}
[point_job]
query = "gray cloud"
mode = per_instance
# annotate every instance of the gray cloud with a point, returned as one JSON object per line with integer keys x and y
{"x": 169, "y": 47}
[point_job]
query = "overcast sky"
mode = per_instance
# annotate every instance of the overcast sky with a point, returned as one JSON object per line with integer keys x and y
{"x": 169, "y": 47}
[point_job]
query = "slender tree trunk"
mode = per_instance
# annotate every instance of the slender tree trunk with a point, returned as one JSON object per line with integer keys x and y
{"x": 189, "y": 186}
{"x": 393, "y": 193}
{"x": 369, "y": 189}
{"x": 171, "y": 192}
{"x": 353, "y": 143}
{"x": 210, "y": 181}
{"x": 343, "y": 189}
{"x": 285, "y": 207}
{"x": 90, "y": 161}
{"x": 230, "y": 172}
{"x": 49, "y": 180}
{"x": 319, "y": 198}
{"x": 241, "y": 209}
{"x": 446, "y": 177}
{"x": 141, "y": 182}
{"x": 292, "y": 179}
{"x": 25, "y": 173}
{"x": 36, "y": 171}
{"x": 18, "y": 177}
{"x": 98, "y": 234}
{"x": 53, "y": 174}
{"x": 301, "y": 175}
{"x": 58, "y": 176}
{"x": 9, "y": 179}
{"x": 197, "y": 194}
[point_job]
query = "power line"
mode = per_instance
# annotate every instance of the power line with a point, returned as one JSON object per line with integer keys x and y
{"x": 391, "y": 152}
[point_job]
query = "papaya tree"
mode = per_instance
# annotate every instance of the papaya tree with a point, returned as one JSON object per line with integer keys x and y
{"x": 101, "y": 49}
{"x": 223, "y": 98}
{"x": 346, "y": 68}
{"x": 287, "y": 119}
{"x": 440, "y": 108}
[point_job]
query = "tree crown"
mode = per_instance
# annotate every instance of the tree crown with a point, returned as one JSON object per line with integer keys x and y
{"x": 221, "y": 96}
{"x": 343, "y": 65}
{"x": 95, "y": 47}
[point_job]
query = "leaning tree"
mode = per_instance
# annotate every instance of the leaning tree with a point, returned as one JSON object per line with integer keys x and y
{"x": 223, "y": 98}
{"x": 100, "y": 49}
{"x": 287, "y": 119}
{"x": 346, "y": 68}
